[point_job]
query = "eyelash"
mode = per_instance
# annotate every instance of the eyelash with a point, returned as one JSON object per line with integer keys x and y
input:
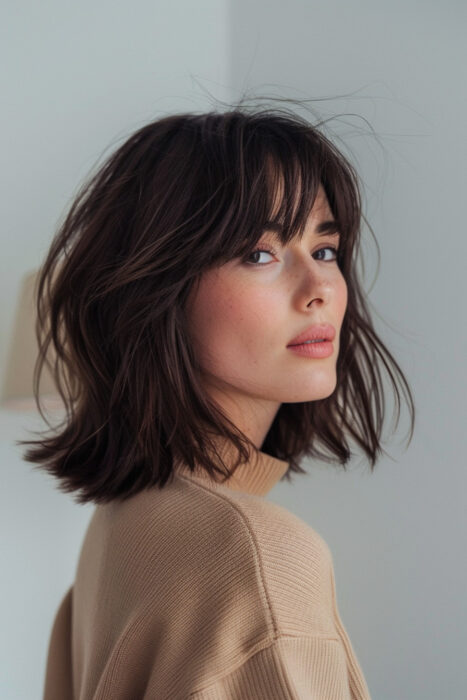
{"x": 271, "y": 251}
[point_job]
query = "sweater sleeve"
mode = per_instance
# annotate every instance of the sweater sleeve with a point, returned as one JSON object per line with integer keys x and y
{"x": 58, "y": 681}
{"x": 290, "y": 668}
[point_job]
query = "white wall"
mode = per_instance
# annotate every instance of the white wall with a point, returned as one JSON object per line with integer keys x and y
{"x": 76, "y": 77}
{"x": 398, "y": 536}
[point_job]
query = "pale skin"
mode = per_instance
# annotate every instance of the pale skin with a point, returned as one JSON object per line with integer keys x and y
{"x": 244, "y": 314}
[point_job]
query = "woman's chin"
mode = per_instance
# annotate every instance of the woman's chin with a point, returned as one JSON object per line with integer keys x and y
{"x": 313, "y": 391}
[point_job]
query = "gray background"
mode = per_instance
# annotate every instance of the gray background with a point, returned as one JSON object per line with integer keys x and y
{"x": 76, "y": 78}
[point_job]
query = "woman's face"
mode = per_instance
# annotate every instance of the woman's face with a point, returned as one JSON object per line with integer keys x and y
{"x": 245, "y": 313}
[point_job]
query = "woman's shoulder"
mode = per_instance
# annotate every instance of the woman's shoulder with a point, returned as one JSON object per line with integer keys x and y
{"x": 224, "y": 546}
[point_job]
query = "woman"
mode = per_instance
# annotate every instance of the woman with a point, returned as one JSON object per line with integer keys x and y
{"x": 211, "y": 331}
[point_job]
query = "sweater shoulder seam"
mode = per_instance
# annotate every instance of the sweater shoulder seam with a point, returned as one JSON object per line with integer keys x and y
{"x": 256, "y": 548}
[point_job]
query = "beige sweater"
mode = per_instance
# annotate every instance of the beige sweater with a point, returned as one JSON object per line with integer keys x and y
{"x": 202, "y": 591}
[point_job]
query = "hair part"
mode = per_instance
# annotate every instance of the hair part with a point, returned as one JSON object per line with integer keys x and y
{"x": 185, "y": 193}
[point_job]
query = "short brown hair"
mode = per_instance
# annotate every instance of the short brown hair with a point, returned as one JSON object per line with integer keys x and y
{"x": 182, "y": 194}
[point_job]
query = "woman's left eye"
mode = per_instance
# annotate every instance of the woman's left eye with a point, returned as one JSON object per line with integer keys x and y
{"x": 329, "y": 247}
{"x": 270, "y": 251}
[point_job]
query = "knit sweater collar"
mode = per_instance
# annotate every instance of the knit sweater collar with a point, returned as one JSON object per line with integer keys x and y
{"x": 256, "y": 476}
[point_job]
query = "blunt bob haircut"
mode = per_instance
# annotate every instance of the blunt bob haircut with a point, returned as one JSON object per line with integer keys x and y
{"x": 184, "y": 193}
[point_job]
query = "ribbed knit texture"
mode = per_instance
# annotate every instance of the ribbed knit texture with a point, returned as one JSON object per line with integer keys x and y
{"x": 202, "y": 591}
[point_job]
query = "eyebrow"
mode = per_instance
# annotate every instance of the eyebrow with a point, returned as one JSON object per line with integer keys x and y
{"x": 324, "y": 228}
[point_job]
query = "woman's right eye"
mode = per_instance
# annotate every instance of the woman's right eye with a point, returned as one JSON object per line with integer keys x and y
{"x": 254, "y": 252}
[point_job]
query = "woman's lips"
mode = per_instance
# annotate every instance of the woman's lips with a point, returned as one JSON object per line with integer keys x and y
{"x": 317, "y": 331}
{"x": 316, "y": 350}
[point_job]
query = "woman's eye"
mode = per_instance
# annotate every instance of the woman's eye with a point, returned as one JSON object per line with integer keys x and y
{"x": 329, "y": 247}
{"x": 256, "y": 252}
{"x": 273, "y": 252}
